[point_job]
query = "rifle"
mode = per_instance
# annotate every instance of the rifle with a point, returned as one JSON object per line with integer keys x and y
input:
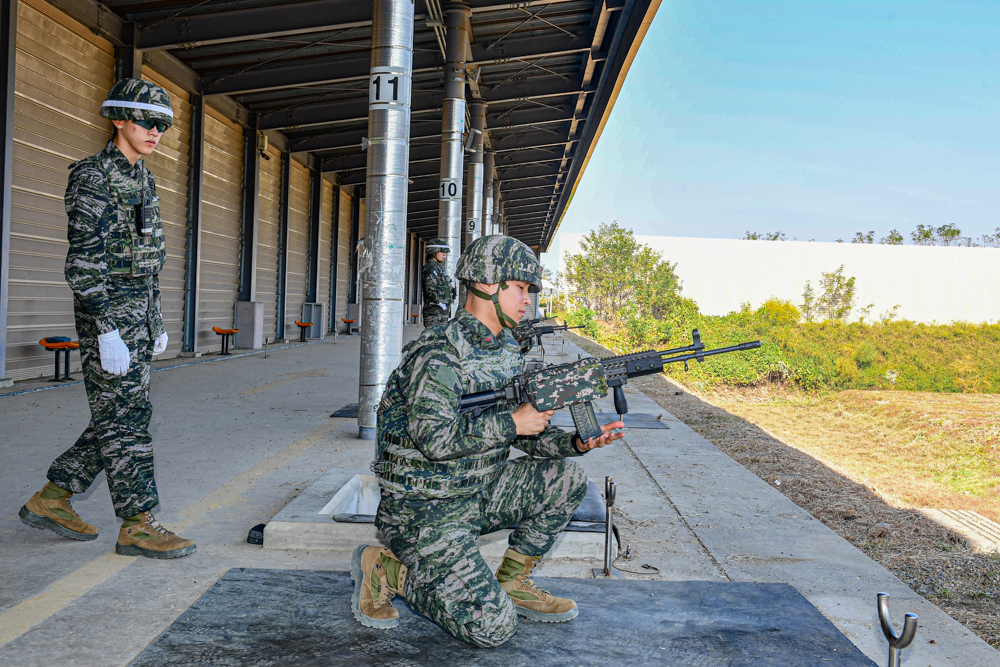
{"x": 528, "y": 331}
{"x": 576, "y": 384}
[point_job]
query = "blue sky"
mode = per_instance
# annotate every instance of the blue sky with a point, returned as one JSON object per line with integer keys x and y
{"x": 819, "y": 119}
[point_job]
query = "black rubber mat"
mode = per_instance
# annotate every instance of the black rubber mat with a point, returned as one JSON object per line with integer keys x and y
{"x": 298, "y": 618}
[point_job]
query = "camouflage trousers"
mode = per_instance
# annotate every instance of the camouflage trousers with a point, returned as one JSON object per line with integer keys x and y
{"x": 435, "y": 314}
{"x": 448, "y": 580}
{"x": 117, "y": 438}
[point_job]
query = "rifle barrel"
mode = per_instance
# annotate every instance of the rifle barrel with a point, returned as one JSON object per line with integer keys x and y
{"x": 752, "y": 345}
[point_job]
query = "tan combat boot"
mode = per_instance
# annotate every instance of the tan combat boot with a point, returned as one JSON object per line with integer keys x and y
{"x": 529, "y": 600}
{"x": 378, "y": 576}
{"x": 54, "y": 513}
{"x": 142, "y": 535}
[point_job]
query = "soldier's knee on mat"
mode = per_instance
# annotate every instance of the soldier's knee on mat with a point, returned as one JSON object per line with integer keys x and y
{"x": 493, "y": 629}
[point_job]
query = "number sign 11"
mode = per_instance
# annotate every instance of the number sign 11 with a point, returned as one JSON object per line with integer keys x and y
{"x": 389, "y": 86}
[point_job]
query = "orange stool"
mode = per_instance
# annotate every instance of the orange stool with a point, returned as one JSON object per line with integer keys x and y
{"x": 58, "y": 345}
{"x": 416, "y": 318}
{"x": 227, "y": 335}
{"x": 302, "y": 329}
{"x": 348, "y": 323}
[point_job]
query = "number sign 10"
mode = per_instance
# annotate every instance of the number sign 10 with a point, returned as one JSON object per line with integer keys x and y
{"x": 450, "y": 189}
{"x": 389, "y": 86}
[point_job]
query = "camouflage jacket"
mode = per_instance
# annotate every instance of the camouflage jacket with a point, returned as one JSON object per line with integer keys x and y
{"x": 105, "y": 244}
{"x": 426, "y": 448}
{"x": 437, "y": 285}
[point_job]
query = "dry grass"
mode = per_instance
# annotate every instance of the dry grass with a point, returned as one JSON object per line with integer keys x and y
{"x": 860, "y": 462}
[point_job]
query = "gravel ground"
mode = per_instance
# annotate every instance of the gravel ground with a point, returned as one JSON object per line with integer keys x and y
{"x": 933, "y": 561}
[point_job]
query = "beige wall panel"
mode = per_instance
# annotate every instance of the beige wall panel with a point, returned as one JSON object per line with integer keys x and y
{"x": 169, "y": 166}
{"x": 343, "y": 257}
{"x": 298, "y": 247}
{"x": 268, "y": 214}
{"x": 326, "y": 248}
{"x": 62, "y": 75}
{"x": 220, "y": 227}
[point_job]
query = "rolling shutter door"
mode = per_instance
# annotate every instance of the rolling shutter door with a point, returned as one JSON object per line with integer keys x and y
{"x": 343, "y": 256}
{"x": 325, "y": 258}
{"x": 169, "y": 166}
{"x": 268, "y": 212}
{"x": 63, "y": 74}
{"x": 298, "y": 247}
{"x": 222, "y": 193}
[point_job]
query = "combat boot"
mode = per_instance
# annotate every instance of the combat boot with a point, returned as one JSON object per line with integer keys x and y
{"x": 142, "y": 535}
{"x": 50, "y": 509}
{"x": 529, "y": 600}
{"x": 378, "y": 576}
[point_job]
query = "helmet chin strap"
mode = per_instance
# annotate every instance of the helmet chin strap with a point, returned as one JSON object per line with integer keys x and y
{"x": 505, "y": 320}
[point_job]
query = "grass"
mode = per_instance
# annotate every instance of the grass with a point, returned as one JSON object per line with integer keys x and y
{"x": 916, "y": 449}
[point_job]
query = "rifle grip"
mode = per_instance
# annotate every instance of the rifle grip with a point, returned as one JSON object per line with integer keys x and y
{"x": 585, "y": 421}
{"x": 621, "y": 403}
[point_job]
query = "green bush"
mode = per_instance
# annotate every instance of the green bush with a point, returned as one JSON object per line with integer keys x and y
{"x": 815, "y": 356}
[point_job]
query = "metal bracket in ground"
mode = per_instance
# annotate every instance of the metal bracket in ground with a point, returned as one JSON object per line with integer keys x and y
{"x": 896, "y": 642}
{"x": 609, "y": 572}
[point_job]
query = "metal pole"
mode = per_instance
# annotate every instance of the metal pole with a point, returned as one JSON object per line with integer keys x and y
{"x": 452, "y": 126}
{"x": 495, "y": 220}
{"x": 315, "y": 223}
{"x": 283, "y": 203}
{"x": 488, "y": 159}
{"x": 474, "y": 192}
{"x": 192, "y": 258}
{"x": 251, "y": 191}
{"x": 8, "y": 52}
{"x": 387, "y": 188}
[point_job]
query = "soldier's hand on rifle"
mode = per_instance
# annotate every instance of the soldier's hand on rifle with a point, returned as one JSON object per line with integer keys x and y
{"x": 530, "y": 421}
{"x": 609, "y": 436}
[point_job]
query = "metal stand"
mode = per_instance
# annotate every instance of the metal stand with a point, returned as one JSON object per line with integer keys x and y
{"x": 608, "y": 572}
{"x": 896, "y": 642}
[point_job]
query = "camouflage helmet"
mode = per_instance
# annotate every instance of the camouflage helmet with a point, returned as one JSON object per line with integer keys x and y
{"x": 493, "y": 259}
{"x": 136, "y": 99}
{"x": 437, "y": 245}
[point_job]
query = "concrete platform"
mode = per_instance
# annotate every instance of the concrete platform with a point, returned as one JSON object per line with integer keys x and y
{"x": 308, "y": 522}
{"x": 982, "y": 533}
{"x": 297, "y": 619}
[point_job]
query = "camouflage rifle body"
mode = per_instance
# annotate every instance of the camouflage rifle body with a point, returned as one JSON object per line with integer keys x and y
{"x": 575, "y": 385}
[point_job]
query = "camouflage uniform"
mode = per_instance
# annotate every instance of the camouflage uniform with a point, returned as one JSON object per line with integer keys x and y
{"x": 446, "y": 479}
{"x": 437, "y": 287}
{"x": 112, "y": 269}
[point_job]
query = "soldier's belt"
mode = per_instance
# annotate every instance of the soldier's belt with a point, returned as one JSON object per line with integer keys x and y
{"x": 444, "y": 474}
{"x": 430, "y": 483}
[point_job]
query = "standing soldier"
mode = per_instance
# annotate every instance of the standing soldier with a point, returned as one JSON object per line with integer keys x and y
{"x": 116, "y": 250}
{"x": 445, "y": 477}
{"x": 437, "y": 285}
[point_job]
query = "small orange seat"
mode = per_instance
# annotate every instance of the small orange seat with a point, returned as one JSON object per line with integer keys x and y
{"x": 60, "y": 346}
{"x": 347, "y": 323}
{"x": 227, "y": 335}
{"x": 302, "y": 329}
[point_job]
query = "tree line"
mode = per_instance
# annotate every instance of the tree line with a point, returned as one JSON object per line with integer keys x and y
{"x": 927, "y": 235}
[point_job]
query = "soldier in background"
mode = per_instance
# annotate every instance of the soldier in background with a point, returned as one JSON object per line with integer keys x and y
{"x": 437, "y": 285}
{"x": 116, "y": 250}
{"x": 446, "y": 479}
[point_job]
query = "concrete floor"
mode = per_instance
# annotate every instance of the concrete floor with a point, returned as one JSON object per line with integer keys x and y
{"x": 237, "y": 439}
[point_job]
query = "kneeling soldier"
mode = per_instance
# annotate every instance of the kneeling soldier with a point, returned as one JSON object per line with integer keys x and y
{"x": 446, "y": 479}
{"x": 116, "y": 250}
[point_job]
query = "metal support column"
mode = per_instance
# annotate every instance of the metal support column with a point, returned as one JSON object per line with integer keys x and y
{"x": 452, "y": 126}
{"x": 387, "y": 189}
{"x": 192, "y": 258}
{"x": 334, "y": 261}
{"x": 312, "y": 260}
{"x": 128, "y": 59}
{"x": 285, "y": 189}
{"x": 251, "y": 190}
{"x": 8, "y": 54}
{"x": 487, "y": 226}
{"x": 474, "y": 191}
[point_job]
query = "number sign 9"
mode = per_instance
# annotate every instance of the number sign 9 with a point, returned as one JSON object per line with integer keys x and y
{"x": 388, "y": 86}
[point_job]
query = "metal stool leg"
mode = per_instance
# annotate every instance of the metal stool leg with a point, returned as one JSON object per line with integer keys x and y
{"x": 66, "y": 376}
{"x": 57, "y": 378}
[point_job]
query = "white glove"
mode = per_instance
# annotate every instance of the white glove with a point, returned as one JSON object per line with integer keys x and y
{"x": 160, "y": 344}
{"x": 443, "y": 307}
{"x": 114, "y": 353}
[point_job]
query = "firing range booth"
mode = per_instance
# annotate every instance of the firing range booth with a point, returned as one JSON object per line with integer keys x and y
{"x": 317, "y": 146}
